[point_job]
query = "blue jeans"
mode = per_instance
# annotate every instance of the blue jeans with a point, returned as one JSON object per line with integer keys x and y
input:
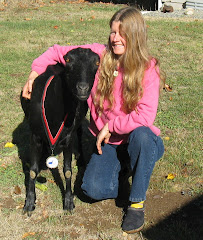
{"x": 100, "y": 180}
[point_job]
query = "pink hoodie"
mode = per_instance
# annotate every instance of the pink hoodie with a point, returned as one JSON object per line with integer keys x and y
{"x": 120, "y": 124}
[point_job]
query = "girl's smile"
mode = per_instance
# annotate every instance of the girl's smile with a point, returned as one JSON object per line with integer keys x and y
{"x": 118, "y": 43}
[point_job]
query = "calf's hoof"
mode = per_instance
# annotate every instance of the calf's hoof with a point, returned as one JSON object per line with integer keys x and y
{"x": 28, "y": 209}
{"x": 29, "y": 213}
{"x": 68, "y": 205}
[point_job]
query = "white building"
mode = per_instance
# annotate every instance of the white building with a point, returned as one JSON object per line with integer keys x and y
{"x": 152, "y": 5}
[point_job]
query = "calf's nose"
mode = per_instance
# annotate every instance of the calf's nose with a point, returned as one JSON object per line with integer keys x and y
{"x": 82, "y": 86}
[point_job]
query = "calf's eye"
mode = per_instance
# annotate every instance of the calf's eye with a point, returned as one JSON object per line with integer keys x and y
{"x": 97, "y": 63}
{"x": 67, "y": 60}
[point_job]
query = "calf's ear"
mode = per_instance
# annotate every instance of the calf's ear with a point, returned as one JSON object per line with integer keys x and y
{"x": 66, "y": 58}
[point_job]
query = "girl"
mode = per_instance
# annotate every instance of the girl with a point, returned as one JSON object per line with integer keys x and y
{"x": 123, "y": 105}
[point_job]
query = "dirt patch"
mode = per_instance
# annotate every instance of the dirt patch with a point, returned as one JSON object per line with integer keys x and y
{"x": 157, "y": 207}
{"x": 104, "y": 217}
{"x": 160, "y": 205}
{"x": 8, "y": 203}
{"x": 101, "y": 215}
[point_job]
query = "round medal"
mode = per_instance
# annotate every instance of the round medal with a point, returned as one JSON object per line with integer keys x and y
{"x": 52, "y": 162}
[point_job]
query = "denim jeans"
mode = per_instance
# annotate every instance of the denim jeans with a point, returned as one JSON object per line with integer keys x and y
{"x": 100, "y": 180}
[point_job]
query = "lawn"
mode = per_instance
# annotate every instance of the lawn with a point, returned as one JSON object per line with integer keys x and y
{"x": 27, "y": 30}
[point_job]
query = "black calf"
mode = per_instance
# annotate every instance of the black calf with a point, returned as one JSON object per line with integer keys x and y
{"x": 64, "y": 98}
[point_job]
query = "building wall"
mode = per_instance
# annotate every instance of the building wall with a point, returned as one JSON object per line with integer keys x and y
{"x": 150, "y": 5}
{"x": 153, "y": 5}
{"x": 179, "y": 4}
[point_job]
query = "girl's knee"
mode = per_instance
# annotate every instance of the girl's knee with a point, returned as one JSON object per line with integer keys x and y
{"x": 142, "y": 135}
{"x": 91, "y": 190}
{"x": 98, "y": 191}
{"x": 100, "y": 180}
{"x": 144, "y": 142}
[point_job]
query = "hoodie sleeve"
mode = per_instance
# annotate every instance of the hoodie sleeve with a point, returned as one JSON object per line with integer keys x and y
{"x": 146, "y": 107}
{"x": 55, "y": 55}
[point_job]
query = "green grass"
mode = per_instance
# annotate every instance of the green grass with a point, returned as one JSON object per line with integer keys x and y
{"x": 28, "y": 32}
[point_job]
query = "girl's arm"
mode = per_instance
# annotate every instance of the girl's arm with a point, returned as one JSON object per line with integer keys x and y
{"x": 27, "y": 89}
{"x": 103, "y": 135}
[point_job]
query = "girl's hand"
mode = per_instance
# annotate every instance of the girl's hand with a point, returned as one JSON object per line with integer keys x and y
{"x": 103, "y": 135}
{"x": 27, "y": 89}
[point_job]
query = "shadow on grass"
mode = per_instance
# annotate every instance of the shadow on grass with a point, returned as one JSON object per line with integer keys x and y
{"x": 21, "y": 138}
{"x": 184, "y": 224}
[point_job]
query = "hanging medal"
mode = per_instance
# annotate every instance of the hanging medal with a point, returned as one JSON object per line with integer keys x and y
{"x": 52, "y": 162}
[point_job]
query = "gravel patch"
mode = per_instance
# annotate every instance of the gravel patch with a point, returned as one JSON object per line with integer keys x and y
{"x": 198, "y": 14}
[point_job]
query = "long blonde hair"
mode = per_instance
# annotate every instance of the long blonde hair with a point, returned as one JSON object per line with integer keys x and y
{"x": 134, "y": 62}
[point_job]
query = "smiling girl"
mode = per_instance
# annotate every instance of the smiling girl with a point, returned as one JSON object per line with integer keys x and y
{"x": 123, "y": 105}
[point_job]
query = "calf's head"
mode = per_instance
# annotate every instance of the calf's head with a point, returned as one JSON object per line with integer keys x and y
{"x": 81, "y": 67}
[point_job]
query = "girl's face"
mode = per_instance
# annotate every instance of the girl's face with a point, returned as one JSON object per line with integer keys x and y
{"x": 118, "y": 42}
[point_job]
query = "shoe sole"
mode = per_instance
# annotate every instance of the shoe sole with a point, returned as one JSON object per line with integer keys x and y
{"x": 135, "y": 230}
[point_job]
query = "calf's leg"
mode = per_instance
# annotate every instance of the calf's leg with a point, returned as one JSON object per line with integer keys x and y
{"x": 35, "y": 156}
{"x": 68, "y": 196}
